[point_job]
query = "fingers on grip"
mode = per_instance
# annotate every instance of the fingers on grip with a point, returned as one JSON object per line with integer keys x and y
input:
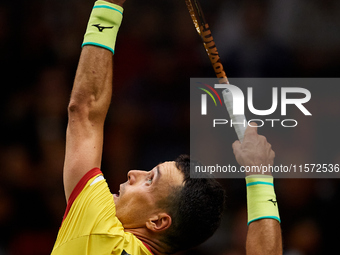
{"x": 236, "y": 146}
{"x": 251, "y": 132}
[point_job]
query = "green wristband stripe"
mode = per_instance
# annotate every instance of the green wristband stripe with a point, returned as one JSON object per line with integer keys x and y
{"x": 107, "y": 7}
{"x": 261, "y": 198}
{"x": 103, "y": 25}
{"x": 266, "y": 217}
{"x": 99, "y": 45}
{"x": 259, "y": 182}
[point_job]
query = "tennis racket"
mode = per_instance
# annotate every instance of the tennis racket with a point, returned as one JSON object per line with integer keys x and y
{"x": 203, "y": 30}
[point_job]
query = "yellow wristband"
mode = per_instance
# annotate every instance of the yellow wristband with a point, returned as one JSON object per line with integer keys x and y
{"x": 103, "y": 25}
{"x": 261, "y": 198}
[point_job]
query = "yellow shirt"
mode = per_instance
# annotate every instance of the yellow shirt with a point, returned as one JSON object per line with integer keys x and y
{"x": 90, "y": 225}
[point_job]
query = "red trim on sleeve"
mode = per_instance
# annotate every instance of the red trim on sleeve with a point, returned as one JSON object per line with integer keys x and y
{"x": 79, "y": 187}
{"x": 147, "y": 246}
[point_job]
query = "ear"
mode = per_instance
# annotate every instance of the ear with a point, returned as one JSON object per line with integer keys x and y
{"x": 159, "y": 222}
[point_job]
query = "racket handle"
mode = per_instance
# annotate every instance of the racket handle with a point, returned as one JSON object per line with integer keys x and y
{"x": 239, "y": 121}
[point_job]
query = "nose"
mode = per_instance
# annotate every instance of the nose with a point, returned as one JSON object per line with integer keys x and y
{"x": 135, "y": 175}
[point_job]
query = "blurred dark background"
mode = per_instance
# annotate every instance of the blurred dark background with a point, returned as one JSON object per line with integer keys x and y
{"x": 157, "y": 52}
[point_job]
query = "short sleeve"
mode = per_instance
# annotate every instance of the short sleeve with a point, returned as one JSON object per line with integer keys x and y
{"x": 90, "y": 225}
{"x": 90, "y": 211}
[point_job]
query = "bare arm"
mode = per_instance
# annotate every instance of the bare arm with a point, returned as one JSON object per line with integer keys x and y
{"x": 264, "y": 236}
{"x": 89, "y": 103}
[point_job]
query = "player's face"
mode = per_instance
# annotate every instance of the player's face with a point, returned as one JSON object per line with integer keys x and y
{"x": 138, "y": 197}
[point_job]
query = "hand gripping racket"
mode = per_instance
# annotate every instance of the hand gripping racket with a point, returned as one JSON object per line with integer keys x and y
{"x": 203, "y": 30}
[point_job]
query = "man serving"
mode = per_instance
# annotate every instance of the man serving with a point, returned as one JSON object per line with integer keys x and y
{"x": 160, "y": 211}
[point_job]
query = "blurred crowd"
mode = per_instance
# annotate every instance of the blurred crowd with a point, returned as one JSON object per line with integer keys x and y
{"x": 157, "y": 52}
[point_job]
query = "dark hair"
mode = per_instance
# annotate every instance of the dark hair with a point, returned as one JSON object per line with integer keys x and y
{"x": 195, "y": 209}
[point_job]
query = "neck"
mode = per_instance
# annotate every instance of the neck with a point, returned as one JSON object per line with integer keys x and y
{"x": 156, "y": 246}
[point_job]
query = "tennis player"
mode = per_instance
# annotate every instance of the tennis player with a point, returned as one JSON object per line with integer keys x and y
{"x": 160, "y": 211}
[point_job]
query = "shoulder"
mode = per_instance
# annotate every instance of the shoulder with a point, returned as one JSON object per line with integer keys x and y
{"x": 91, "y": 177}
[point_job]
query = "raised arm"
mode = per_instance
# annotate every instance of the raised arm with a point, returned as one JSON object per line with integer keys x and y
{"x": 264, "y": 230}
{"x": 91, "y": 95}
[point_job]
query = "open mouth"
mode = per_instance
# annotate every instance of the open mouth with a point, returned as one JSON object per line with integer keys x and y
{"x": 116, "y": 195}
{"x": 121, "y": 188}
